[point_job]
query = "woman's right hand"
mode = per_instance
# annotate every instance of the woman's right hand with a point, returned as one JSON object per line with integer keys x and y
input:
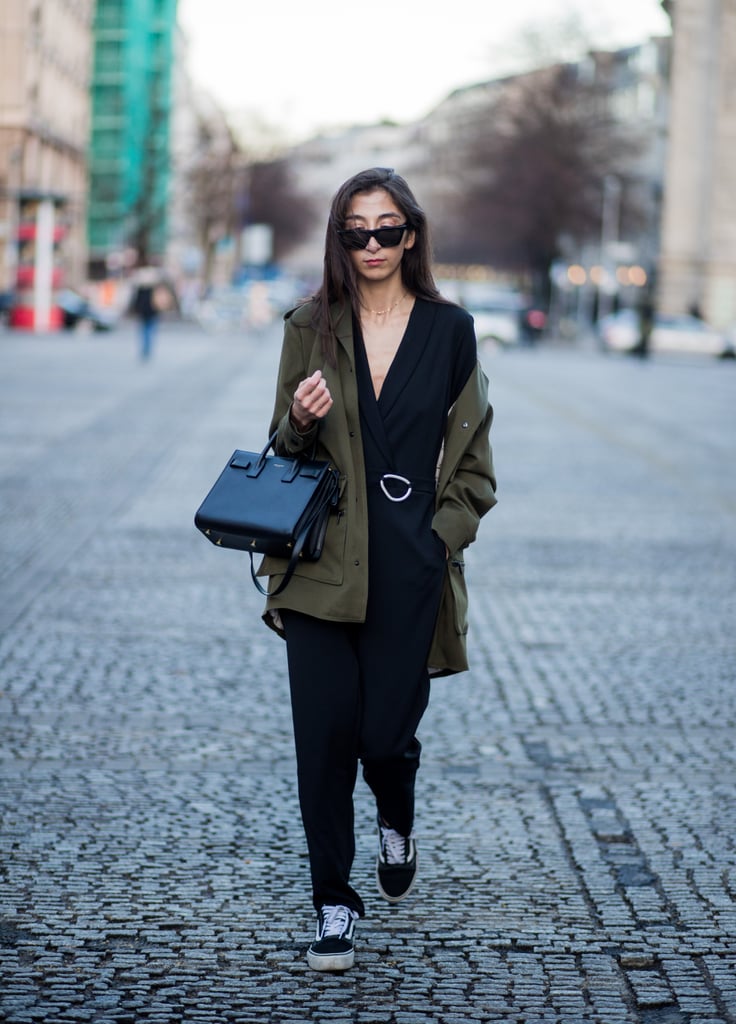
{"x": 312, "y": 401}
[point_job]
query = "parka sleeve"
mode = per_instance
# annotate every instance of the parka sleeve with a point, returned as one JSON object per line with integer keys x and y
{"x": 293, "y": 368}
{"x": 470, "y": 490}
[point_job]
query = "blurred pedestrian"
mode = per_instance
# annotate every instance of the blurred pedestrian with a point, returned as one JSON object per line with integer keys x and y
{"x": 152, "y": 296}
{"x": 378, "y": 374}
{"x": 646, "y": 326}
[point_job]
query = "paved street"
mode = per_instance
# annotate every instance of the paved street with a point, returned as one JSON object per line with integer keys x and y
{"x": 577, "y": 800}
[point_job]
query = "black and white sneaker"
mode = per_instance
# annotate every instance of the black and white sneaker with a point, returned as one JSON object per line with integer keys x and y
{"x": 396, "y": 866}
{"x": 333, "y": 948}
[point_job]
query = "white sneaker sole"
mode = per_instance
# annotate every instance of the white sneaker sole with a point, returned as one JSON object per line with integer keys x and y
{"x": 397, "y": 899}
{"x": 331, "y": 962}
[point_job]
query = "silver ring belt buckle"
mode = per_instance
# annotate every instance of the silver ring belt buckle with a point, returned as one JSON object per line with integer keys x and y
{"x": 402, "y": 480}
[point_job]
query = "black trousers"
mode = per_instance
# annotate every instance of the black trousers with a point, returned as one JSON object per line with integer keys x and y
{"x": 358, "y": 692}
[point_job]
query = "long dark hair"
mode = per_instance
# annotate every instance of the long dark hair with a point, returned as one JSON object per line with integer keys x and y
{"x": 339, "y": 279}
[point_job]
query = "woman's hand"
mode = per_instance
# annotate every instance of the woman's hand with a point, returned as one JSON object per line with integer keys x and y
{"x": 312, "y": 401}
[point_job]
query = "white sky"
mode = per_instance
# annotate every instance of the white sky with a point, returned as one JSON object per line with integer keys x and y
{"x": 303, "y": 66}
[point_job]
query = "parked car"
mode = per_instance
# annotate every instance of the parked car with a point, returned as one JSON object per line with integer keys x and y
{"x": 222, "y": 308}
{"x": 77, "y": 311}
{"x": 498, "y": 316}
{"x": 620, "y": 332}
{"x": 6, "y": 304}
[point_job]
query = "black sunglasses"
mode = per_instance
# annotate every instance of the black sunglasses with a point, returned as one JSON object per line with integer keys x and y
{"x": 358, "y": 238}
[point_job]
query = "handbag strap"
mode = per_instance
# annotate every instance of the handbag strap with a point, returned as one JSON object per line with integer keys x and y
{"x": 296, "y": 551}
{"x": 299, "y": 543}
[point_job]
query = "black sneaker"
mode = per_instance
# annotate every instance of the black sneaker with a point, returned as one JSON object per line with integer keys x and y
{"x": 396, "y": 866}
{"x": 333, "y": 948}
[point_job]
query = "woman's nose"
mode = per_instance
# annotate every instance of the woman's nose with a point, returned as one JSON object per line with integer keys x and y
{"x": 373, "y": 245}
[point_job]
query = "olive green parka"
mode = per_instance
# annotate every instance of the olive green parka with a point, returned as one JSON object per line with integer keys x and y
{"x": 336, "y": 586}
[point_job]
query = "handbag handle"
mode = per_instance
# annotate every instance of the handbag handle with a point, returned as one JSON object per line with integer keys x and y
{"x": 260, "y": 462}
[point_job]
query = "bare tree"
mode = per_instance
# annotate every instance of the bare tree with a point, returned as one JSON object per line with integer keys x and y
{"x": 229, "y": 191}
{"x": 273, "y": 197}
{"x": 532, "y": 173}
{"x": 214, "y": 183}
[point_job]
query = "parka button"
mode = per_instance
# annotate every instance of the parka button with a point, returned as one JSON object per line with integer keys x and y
{"x": 465, "y": 425}
{"x": 356, "y": 562}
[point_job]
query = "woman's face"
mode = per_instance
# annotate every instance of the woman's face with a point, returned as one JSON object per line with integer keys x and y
{"x": 371, "y": 210}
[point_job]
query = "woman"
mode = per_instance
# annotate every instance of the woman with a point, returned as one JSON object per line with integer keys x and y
{"x": 379, "y": 375}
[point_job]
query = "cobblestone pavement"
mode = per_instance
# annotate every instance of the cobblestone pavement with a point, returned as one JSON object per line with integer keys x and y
{"x": 576, "y": 814}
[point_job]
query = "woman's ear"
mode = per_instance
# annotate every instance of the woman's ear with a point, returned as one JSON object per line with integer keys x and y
{"x": 410, "y": 240}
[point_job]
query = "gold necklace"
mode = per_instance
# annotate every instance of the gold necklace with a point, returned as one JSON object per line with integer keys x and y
{"x": 383, "y": 312}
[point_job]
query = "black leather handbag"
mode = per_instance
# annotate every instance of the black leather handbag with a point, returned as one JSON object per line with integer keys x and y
{"x": 270, "y": 505}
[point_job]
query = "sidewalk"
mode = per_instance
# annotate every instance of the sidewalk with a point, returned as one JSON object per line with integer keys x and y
{"x": 577, "y": 799}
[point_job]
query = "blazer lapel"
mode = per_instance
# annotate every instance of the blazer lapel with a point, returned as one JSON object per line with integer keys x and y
{"x": 409, "y": 352}
{"x": 370, "y": 415}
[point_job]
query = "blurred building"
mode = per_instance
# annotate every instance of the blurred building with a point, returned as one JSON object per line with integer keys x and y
{"x": 45, "y": 52}
{"x": 698, "y": 258}
{"x": 636, "y": 81}
{"x": 182, "y": 252}
{"x": 204, "y": 203}
{"x": 130, "y": 137}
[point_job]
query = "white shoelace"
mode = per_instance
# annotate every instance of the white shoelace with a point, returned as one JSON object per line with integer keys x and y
{"x": 335, "y": 921}
{"x": 394, "y": 846}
